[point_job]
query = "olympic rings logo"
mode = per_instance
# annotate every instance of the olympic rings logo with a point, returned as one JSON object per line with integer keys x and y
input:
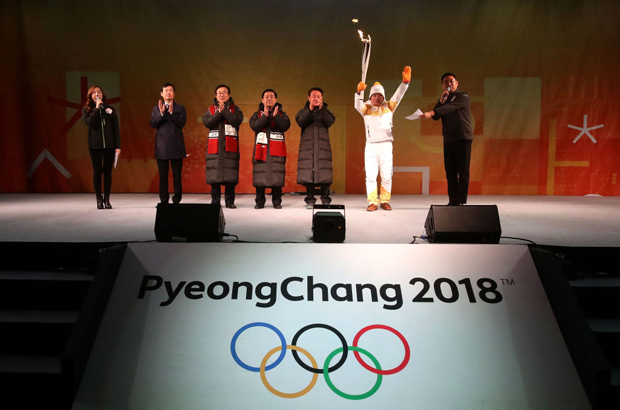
{"x": 315, "y": 370}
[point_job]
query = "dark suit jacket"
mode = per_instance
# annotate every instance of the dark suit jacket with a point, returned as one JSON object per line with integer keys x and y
{"x": 455, "y": 116}
{"x": 169, "y": 142}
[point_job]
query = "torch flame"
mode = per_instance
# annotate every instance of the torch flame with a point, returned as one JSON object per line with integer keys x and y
{"x": 364, "y": 40}
{"x": 365, "y": 54}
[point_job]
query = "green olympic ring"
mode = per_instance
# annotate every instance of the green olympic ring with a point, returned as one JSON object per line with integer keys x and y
{"x": 340, "y": 393}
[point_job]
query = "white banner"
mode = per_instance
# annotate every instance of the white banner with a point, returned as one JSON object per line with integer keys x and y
{"x": 307, "y": 326}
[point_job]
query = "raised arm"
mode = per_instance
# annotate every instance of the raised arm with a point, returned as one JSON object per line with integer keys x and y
{"x": 179, "y": 118}
{"x": 326, "y": 116}
{"x": 282, "y": 121}
{"x": 211, "y": 121}
{"x": 304, "y": 117}
{"x": 460, "y": 100}
{"x": 234, "y": 118}
{"x": 156, "y": 118}
{"x": 358, "y": 99}
{"x": 258, "y": 122}
{"x": 92, "y": 119}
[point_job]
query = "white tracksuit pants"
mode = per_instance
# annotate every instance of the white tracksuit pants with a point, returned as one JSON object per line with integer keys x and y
{"x": 378, "y": 160}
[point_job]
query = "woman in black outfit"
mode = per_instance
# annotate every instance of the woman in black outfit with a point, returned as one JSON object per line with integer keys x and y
{"x": 104, "y": 141}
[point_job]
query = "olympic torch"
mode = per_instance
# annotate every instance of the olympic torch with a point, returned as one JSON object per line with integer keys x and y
{"x": 366, "y": 54}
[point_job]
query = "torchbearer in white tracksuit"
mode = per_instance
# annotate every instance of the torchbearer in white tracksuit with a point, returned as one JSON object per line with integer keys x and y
{"x": 377, "y": 115}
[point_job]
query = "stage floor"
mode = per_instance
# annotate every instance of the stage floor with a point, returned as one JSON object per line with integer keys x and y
{"x": 588, "y": 221}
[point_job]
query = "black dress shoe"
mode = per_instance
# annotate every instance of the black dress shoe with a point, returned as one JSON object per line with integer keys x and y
{"x": 259, "y": 206}
{"x": 277, "y": 206}
{"x": 231, "y": 206}
{"x": 99, "y": 203}
{"x": 107, "y": 204}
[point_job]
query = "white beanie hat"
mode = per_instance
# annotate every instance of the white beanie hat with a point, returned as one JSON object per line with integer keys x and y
{"x": 377, "y": 88}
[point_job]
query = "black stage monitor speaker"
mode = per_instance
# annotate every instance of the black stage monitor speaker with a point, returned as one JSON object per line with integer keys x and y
{"x": 189, "y": 223}
{"x": 463, "y": 224}
{"x": 328, "y": 225}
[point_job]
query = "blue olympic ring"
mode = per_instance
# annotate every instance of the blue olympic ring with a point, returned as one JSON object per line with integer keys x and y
{"x": 233, "y": 343}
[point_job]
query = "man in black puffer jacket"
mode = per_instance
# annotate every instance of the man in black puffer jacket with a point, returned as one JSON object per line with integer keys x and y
{"x": 314, "y": 166}
{"x": 269, "y": 124}
{"x": 223, "y": 119}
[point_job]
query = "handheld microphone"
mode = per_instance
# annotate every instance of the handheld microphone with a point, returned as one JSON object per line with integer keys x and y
{"x": 444, "y": 97}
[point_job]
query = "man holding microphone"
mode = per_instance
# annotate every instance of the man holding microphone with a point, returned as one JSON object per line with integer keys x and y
{"x": 454, "y": 110}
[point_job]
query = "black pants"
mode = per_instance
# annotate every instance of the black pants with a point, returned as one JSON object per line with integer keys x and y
{"x": 103, "y": 160}
{"x": 323, "y": 190}
{"x": 456, "y": 158}
{"x": 177, "y": 168}
{"x": 276, "y": 195}
{"x": 229, "y": 194}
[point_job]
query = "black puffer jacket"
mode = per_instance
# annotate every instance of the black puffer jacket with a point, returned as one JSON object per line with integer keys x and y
{"x": 103, "y": 128}
{"x": 314, "y": 164}
{"x": 271, "y": 171}
{"x": 223, "y": 156}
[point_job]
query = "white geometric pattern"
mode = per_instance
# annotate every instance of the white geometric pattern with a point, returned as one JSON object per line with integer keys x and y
{"x": 585, "y": 130}
{"x": 46, "y": 154}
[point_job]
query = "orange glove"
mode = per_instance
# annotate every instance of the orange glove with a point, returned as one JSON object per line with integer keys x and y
{"x": 406, "y": 75}
{"x": 361, "y": 87}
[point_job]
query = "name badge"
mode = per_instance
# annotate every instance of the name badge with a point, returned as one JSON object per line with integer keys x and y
{"x": 277, "y": 136}
{"x": 230, "y": 130}
{"x": 261, "y": 138}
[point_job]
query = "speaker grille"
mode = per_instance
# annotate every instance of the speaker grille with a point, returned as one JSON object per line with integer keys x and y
{"x": 189, "y": 223}
{"x": 463, "y": 224}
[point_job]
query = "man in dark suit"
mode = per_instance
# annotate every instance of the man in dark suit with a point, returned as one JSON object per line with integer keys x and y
{"x": 169, "y": 118}
{"x": 454, "y": 110}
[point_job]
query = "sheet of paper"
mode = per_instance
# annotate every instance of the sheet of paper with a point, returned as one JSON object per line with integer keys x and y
{"x": 415, "y": 115}
{"x": 115, "y": 159}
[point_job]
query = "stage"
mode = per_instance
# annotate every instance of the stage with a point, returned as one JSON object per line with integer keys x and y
{"x": 66, "y": 233}
{"x": 586, "y": 221}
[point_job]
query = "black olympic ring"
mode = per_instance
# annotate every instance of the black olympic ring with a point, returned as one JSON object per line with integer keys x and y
{"x": 345, "y": 348}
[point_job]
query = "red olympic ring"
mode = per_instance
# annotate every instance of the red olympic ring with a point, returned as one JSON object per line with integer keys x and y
{"x": 376, "y": 371}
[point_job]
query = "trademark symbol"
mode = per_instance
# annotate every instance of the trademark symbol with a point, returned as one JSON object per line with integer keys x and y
{"x": 508, "y": 282}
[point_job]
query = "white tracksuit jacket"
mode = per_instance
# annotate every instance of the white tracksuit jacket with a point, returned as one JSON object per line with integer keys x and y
{"x": 378, "y": 152}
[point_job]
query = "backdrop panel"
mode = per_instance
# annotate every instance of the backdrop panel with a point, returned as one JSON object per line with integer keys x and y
{"x": 440, "y": 327}
{"x": 537, "y": 72}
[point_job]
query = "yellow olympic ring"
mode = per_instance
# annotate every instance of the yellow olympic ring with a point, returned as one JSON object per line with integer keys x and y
{"x": 300, "y": 393}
